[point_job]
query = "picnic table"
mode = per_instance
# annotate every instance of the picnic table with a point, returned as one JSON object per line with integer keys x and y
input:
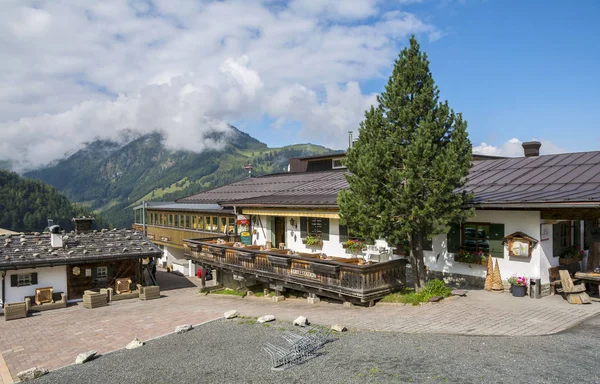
{"x": 590, "y": 278}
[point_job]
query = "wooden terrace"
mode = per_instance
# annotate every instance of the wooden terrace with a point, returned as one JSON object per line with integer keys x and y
{"x": 335, "y": 277}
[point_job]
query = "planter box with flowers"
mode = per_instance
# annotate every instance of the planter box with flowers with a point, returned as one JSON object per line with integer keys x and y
{"x": 313, "y": 241}
{"x": 570, "y": 255}
{"x": 478, "y": 258}
{"x": 518, "y": 285}
{"x": 354, "y": 246}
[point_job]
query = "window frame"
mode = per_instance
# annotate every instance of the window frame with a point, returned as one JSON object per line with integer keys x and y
{"x": 340, "y": 166}
{"x": 22, "y": 277}
{"x": 102, "y": 275}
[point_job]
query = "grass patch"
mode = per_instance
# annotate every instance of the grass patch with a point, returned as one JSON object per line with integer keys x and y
{"x": 433, "y": 288}
{"x": 227, "y": 291}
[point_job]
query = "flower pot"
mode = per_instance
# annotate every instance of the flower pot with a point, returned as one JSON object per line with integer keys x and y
{"x": 518, "y": 291}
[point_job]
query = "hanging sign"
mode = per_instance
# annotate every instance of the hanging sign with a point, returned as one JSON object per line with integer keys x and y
{"x": 243, "y": 220}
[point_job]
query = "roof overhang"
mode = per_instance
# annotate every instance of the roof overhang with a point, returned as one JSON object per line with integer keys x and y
{"x": 291, "y": 212}
{"x": 525, "y": 205}
{"x": 22, "y": 264}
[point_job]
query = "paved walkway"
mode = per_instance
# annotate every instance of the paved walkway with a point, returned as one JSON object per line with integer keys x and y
{"x": 53, "y": 339}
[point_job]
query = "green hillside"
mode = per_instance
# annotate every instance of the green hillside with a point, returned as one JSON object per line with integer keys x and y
{"x": 26, "y": 205}
{"x": 111, "y": 179}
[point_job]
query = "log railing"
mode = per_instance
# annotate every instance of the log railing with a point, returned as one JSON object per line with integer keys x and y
{"x": 342, "y": 278}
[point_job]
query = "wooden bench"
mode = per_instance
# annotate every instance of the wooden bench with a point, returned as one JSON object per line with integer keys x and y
{"x": 555, "y": 283}
{"x": 575, "y": 293}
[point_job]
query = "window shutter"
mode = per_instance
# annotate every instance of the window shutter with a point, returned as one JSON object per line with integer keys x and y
{"x": 111, "y": 271}
{"x": 454, "y": 238}
{"x": 14, "y": 280}
{"x": 325, "y": 226}
{"x": 497, "y": 240}
{"x": 303, "y": 227}
{"x": 34, "y": 279}
{"x": 94, "y": 273}
{"x": 576, "y": 233}
{"x": 343, "y": 233}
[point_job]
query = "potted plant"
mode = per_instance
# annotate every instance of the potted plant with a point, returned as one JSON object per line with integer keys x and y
{"x": 354, "y": 246}
{"x": 314, "y": 241}
{"x": 518, "y": 285}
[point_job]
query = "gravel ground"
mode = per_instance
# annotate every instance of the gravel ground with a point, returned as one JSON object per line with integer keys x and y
{"x": 230, "y": 351}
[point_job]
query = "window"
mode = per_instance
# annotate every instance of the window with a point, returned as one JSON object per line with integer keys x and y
{"x": 223, "y": 227}
{"x": 187, "y": 221}
{"x": 337, "y": 164}
{"x": 24, "y": 279}
{"x": 207, "y": 223}
{"x": 215, "y": 224}
{"x": 314, "y": 226}
{"x": 170, "y": 220}
{"x": 200, "y": 222}
{"x": 177, "y": 220}
{"x": 477, "y": 237}
{"x": 102, "y": 272}
{"x": 231, "y": 227}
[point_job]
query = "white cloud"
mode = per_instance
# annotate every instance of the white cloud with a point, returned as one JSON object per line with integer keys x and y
{"x": 514, "y": 148}
{"x": 75, "y": 71}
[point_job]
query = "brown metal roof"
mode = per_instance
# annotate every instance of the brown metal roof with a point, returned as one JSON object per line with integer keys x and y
{"x": 548, "y": 179}
{"x": 310, "y": 188}
{"x": 531, "y": 181}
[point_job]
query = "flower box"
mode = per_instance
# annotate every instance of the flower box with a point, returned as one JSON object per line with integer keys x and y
{"x": 481, "y": 261}
{"x": 312, "y": 242}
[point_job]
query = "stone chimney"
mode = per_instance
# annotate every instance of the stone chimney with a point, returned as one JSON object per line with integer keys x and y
{"x": 531, "y": 148}
{"x": 83, "y": 224}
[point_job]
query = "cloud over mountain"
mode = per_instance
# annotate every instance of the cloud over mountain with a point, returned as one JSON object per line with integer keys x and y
{"x": 76, "y": 71}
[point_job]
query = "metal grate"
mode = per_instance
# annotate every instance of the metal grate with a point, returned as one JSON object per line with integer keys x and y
{"x": 300, "y": 348}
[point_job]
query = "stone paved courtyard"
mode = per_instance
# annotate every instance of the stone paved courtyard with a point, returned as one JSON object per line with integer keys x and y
{"x": 53, "y": 339}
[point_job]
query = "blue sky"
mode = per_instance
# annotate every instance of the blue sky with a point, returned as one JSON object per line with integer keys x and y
{"x": 288, "y": 72}
{"x": 524, "y": 69}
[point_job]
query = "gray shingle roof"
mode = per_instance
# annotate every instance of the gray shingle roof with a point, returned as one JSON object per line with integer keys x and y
{"x": 35, "y": 250}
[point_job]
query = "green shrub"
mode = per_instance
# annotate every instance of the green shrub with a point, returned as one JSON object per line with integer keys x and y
{"x": 228, "y": 291}
{"x": 432, "y": 288}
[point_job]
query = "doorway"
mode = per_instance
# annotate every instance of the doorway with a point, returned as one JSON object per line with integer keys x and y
{"x": 279, "y": 231}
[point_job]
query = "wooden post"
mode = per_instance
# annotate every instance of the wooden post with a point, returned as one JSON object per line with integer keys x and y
{"x": 203, "y": 279}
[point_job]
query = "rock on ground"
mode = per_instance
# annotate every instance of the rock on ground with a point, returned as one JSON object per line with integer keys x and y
{"x": 183, "y": 328}
{"x": 135, "y": 343}
{"x": 338, "y": 328}
{"x": 31, "y": 373}
{"x": 301, "y": 321}
{"x": 231, "y": 314}
{"x": 85, "y": 357}
{"x": 265, "y": 318}
{"x": 459, "y": 292}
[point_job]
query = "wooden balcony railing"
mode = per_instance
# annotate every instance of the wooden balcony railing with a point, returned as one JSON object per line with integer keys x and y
{"x": 339, "y": 278}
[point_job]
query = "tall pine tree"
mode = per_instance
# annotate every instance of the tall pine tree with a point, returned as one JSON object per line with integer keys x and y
{"x": 412, "y": 153}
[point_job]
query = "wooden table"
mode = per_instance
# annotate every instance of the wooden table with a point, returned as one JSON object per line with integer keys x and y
{"x": 590, "y": 278}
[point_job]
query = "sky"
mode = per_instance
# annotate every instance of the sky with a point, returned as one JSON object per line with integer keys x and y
{"x": 289, "y": 71}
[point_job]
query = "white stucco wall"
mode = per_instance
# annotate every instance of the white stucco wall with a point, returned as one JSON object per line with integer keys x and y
{"x": 525, "y": 221}
{"x": 55, "y": 277}
{"x": 293, "y": 239}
